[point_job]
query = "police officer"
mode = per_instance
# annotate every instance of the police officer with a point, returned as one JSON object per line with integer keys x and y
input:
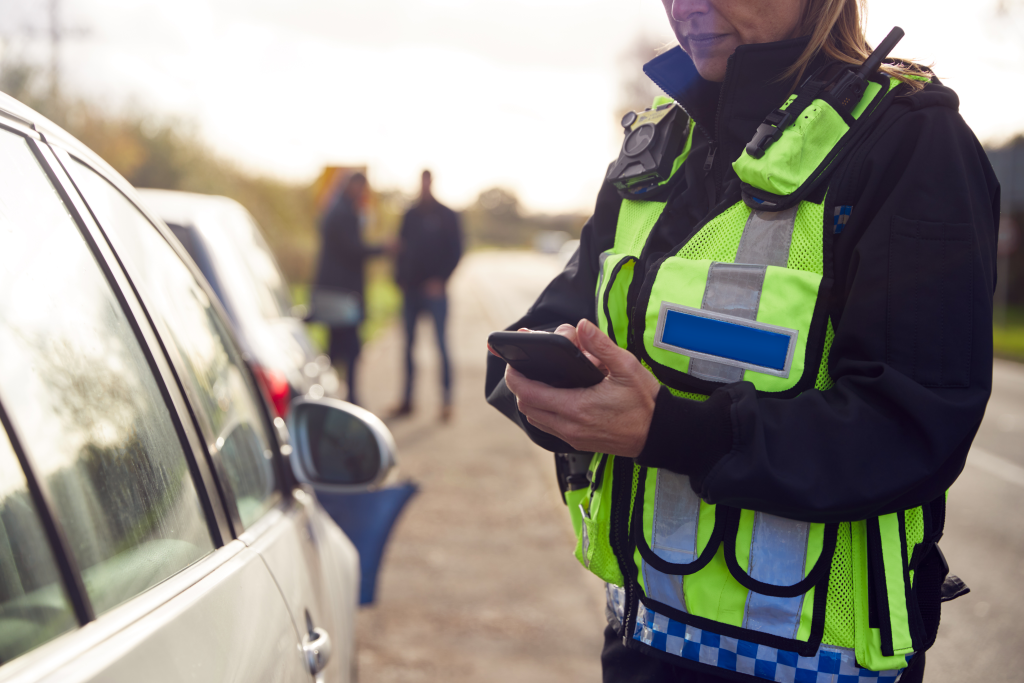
{"x": 795, "y": 327}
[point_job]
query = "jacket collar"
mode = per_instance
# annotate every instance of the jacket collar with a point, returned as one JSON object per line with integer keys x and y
{"x": 728, "y": 113}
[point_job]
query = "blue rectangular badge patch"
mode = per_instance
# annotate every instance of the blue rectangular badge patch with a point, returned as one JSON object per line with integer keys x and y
{"x": 726, "y": 339}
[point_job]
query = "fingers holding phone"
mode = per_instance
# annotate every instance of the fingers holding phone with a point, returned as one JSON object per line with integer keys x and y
{"x": 571, "y": 333}
{"x": 609, "y": 411}
{"x": 551, "y": 358}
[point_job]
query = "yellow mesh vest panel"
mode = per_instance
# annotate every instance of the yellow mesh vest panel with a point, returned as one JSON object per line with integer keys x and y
{"x": 636, "y": 219}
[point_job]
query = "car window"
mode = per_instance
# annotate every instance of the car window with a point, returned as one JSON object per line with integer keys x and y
{"x": 252, "y": 274}
{"x": 83, "y": 400}
{"x": 215, "y": 377}
{"x": 34, "y": 607}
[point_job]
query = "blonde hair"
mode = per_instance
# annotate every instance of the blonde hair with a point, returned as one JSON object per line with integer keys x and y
{"x": 836, "y": 29}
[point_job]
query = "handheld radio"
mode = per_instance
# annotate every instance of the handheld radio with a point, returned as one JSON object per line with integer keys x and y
{"x": 850, "y": 87}
{"x": 846, "y": 91}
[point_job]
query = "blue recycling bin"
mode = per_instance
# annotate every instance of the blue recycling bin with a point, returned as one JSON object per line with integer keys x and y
{"x": 367, "y": 518}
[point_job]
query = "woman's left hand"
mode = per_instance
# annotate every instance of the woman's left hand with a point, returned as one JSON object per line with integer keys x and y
{"x": 611, "y": 417}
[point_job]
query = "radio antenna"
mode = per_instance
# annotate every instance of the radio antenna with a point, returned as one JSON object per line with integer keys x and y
{"x": 874, "y": 60}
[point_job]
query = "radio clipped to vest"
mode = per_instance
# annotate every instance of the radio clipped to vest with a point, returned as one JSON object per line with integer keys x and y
{"x": 655, "y": 138}
{"x": 794, "y": 147}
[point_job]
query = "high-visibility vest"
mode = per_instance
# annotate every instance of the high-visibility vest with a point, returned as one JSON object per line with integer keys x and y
{"x": 744, "y": 299}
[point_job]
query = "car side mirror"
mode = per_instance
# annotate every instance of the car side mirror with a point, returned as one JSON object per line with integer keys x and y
{"x": 337, "y": 446}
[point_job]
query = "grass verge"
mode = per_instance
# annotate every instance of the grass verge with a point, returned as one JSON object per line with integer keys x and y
{"x": 1008, "y": 334}
{"x": 1008, "y": 340}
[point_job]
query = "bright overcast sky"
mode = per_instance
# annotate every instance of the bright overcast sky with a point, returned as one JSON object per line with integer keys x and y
{"x": 517, "y": 93}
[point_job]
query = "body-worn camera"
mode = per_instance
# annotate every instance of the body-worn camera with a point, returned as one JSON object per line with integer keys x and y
{"x": 654, "y": 139}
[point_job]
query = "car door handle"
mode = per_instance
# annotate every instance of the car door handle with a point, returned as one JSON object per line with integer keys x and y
{"x": 317, "y": 647}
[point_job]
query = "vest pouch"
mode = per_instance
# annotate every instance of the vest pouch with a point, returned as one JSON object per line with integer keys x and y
{"x": 881, "y": 619}
{"x": 793, "y": 167}
{"x": 898, "y": 577}
{"x": 591, "y": 517}
{"x": 707, "y": 323}
{"x": 749, "y": 575}
{"x": 797, "y": 155}
{"x": 775, "y": 556}
{"x": 676, "y": 533}
{"x": 785, "y": 565}
{"x": 611, "y": 304}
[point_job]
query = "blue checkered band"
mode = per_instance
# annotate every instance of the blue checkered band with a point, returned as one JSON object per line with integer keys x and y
{"x": 829, "y": 665}
{"x": 842, "y": 215}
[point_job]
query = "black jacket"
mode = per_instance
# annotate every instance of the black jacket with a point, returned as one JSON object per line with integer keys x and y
{"x": 911, "y": 304}
{"x": 431, "y": 244}
{"x": 343, "y": 255}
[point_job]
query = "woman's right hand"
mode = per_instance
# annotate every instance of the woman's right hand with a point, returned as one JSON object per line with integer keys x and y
{"x": 612, "y": 416}
{"x": 570, "y": 333}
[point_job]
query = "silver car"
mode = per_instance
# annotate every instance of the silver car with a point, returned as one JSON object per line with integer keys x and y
{"x": 226, "y": 244}
{"x": 157, "y": 523}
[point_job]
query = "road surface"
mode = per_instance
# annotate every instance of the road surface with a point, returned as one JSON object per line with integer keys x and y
{"x": 479, "y": 582}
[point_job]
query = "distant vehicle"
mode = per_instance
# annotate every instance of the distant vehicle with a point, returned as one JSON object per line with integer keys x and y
{"x": 569, "y": 247}
{"x": 157, "y": 522}
{"x": 225, "y": 242}
{"x": 550, "y": 241}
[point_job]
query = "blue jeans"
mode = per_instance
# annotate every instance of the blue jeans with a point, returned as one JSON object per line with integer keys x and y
{"x": 416, "y": 303}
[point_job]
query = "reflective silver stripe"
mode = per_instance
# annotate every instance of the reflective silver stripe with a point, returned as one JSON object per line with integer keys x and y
{"x": 615, "y": 601}
{"x": 732, "y": 289}
{"x": 664, "y": 588}
{"x": 674, "y": 528}
{"x": 735, "y": 288}
{"x": 778, "y": 556}
{"x": 766, "y": 237}
{"x": 673, "y": 536}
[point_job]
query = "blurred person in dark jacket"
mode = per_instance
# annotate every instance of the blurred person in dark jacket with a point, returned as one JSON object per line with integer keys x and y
{"x": 338, "y": 295}
{"x": 429, "y": 247}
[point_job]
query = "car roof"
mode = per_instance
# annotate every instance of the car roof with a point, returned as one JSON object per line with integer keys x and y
{"x": 185, "y": 208}
{"x": 51, "y": 132}
{"x": 23, "y": 115}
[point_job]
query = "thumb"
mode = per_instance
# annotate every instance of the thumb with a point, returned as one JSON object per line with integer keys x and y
{"x": 598, "y": 344}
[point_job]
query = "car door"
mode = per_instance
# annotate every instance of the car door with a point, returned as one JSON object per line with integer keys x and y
{"x": 118, "y": 563}
{"x": 312, "y": 562}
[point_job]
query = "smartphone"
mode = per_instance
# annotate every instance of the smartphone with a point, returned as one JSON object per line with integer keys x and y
{"x": 546, "y": 357}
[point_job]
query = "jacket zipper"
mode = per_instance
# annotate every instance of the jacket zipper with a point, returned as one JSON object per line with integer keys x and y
{"x": 715, "y": 187}
{"x": 621, "y": 490}
{"x": 597, "y": 476}
{"x": 620, "y": 509}
{"x": 709, "y": 180}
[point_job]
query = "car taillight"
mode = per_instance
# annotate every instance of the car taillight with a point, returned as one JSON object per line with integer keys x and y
{"x": 276, "y": 385}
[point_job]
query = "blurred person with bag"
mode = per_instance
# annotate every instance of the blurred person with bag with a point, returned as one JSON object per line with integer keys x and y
{"x": 429, "y": 248}
{"x": 787, "y": 281}
{"x": 338, "y": 298}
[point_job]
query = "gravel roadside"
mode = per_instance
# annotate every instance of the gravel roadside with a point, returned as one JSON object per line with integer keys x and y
{"x": 479, "y": 581}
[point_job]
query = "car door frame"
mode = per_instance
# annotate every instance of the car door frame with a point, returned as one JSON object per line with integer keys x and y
{"x": 294, "y": 499}
{"x": 94, "y": 629}
{"x": 215, "y": 470}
